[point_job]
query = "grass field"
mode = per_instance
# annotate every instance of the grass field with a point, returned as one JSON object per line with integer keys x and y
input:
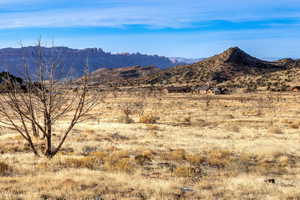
{"x": 175, "y": 146}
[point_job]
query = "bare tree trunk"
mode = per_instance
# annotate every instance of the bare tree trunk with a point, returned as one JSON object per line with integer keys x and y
{"x": 33, "y": 148}
{"x": 34, "y": 112}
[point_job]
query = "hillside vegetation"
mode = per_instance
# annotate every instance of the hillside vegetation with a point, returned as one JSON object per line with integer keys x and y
{"x": 233, "y": 68}
{"x": 121, "y": 75}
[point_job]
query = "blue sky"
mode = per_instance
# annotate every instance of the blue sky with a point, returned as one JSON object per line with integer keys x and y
{"x": 189, "y": 28}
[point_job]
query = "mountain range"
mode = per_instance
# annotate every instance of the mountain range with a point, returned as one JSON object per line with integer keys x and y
{"x": 74, "y": 60}
{"x": 231, "y": 68}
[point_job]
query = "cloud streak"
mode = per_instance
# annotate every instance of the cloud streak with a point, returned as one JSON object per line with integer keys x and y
{"x": 154, "y": 14}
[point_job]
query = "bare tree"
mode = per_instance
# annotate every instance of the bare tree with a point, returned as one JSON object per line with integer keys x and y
{"x": 34, "y": 108}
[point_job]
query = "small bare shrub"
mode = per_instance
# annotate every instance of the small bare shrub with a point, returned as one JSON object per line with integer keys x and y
{"x": 148, "y": 119}
{"x": 142, "y": 159}
{"x": 131, "y": 108}
{"x": 5, "y": 169}
{"x": 127, "y": 110}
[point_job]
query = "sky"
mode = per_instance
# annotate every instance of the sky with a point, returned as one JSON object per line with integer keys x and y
{"x": 174, "y": 28}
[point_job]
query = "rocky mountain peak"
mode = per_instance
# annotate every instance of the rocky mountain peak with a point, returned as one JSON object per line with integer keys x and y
{"x": 235, "y": 56}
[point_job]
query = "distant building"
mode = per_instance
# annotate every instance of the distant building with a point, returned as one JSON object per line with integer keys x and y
{"x": 178, "y": 89}
{"x": 206, "y": 89}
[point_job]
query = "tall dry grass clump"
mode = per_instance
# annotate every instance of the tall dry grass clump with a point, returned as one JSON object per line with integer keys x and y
{"x": 148, "y": 119}
{"x": 5, "y": 169}
{"x": 119, "y": 161}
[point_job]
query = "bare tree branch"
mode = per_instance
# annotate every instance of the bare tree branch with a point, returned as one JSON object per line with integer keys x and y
{"x": 35, "y": 106}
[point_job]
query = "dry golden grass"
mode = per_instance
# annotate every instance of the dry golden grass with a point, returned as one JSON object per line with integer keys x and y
{"x": 275, "y": 130}
{"x": 175, "y": 155}
{"x": 85, "y": 162}
{"x": 184, "y": 149}
{"x": 152, "y": 127}
{"x": 148, "y": 119}
{"x": 232, "y": 128}
{"x": 186, "y": 171}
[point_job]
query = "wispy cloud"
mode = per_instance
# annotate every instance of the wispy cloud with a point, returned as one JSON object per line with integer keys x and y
{"x": 155, "y": 14}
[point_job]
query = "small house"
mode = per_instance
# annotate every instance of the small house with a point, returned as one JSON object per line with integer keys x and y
{"x": 178, "y": 89}
{"x": 201, "y": 89}
{"x": 209, "y": 90}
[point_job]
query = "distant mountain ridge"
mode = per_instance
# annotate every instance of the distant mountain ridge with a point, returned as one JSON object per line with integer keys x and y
{"x": 73, "y": 60}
